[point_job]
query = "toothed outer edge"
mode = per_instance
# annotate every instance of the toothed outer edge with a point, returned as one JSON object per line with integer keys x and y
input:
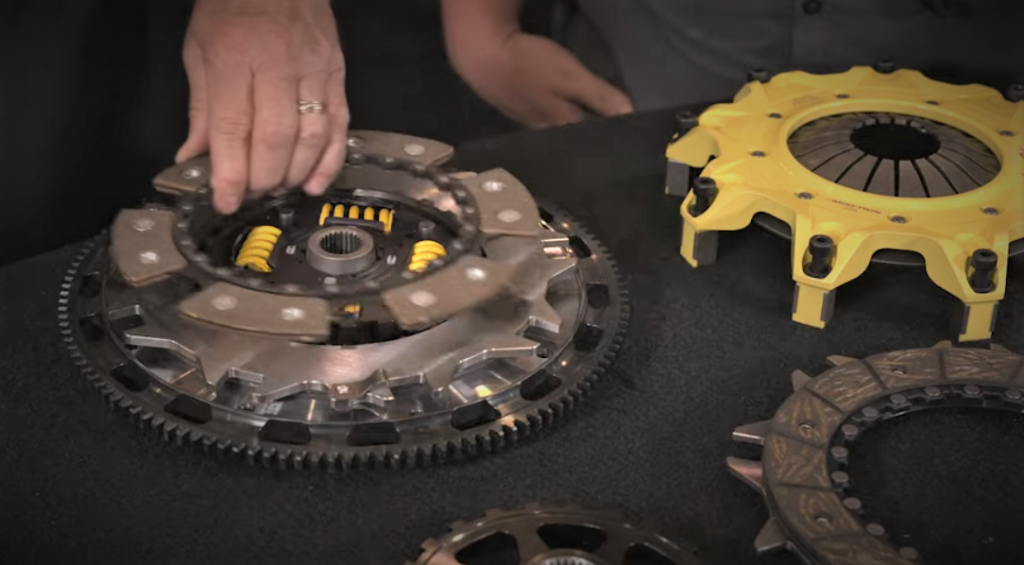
{"x": 799, "y": 379}
{"x": 567, "y": 512}
{"x": 837, "y": 360}
{"x": 530, "y": 420}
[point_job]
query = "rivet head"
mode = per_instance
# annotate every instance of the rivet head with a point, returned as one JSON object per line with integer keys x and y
{"x": 823, "y": 519}
{"x": 493, "y": 186}
{"x": 509, "y": 216}
{"x": 192, "y": 173}
{"x": 840, "y": 452}
{"x": 909, "y": 553}
{"x": 476, "y": 274}
{"x": 292, "y": 314}
{"x": 355, "y": 142}
{"x": 875, "y": 529}
{"x": 1013, "y": 394}
{"x": 149, "y": 258}
{"x": 898, "y": 399}
{"x": 840, "y": 477}
{"x": 143, "y": 224}
{"x": 341, "y": 389}
{"x": 853, "y": 503}
{"x": 972, "y": 390}
{"x": 224, "y": 302}
{"x": 422, "y": 298}
{"x": 932, "y": 391}
{"x": 850, "y": 430}
{"x": 869, "y": 412}
{"x": 415, "y": 149}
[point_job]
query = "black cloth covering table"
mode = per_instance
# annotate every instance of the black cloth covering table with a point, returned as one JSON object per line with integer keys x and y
{"x": 708, "y": 350}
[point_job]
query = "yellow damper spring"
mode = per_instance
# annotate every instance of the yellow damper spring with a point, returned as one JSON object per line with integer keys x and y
{"x": 369, "y": 213}
{"x": 423, "y": 252}
{"x": 257, "y": 247}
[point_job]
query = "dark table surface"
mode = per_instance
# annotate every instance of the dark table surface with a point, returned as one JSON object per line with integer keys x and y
{"x": 708, "y": 350}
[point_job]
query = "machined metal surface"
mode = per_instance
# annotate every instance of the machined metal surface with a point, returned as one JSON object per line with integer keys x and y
{"x": 814, "y": 433}
{"x": 464, "y": 358}
{"x": 538, "y": 535}
{"x": 344, "y": 250}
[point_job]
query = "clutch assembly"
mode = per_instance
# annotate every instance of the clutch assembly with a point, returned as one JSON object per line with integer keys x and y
{"x": 870, "y": 164}
{"x": 407, "y": 316}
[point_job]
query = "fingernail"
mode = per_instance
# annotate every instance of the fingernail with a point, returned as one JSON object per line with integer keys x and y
{"x": 227, "y": 203}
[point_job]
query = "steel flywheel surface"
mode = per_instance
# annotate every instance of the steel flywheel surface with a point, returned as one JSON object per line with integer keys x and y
{"x": 870, "y": 164}
{"x": 408, "y": 316}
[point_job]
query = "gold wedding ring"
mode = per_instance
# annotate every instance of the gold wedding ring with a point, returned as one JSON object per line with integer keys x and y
{"x": 312, "y": 107}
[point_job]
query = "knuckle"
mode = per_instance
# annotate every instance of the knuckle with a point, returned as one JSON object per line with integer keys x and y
{"x": 274, "y": 136}
{"x": 232, "y": 127}
{"x": 312, "y": 138}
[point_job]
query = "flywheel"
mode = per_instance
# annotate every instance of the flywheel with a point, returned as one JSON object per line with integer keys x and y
{"x": 873, "y": 164}
{"x": 408, "y": 316}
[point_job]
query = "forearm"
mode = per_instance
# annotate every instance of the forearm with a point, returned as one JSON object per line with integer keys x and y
{"x": 473, "y": 27}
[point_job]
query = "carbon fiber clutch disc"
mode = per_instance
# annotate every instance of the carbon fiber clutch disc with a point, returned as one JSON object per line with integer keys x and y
{"x": 808, "y": 443}
{"x": 406, "y": 317}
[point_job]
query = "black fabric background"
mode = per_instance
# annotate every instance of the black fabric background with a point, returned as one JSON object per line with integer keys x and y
{"x": 708, "y": 350}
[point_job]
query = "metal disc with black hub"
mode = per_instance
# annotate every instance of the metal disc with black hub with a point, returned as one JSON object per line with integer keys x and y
{"x": 407, "y": 316}
{"x": 814, "y": 434}
{"x": 551, "y": 536}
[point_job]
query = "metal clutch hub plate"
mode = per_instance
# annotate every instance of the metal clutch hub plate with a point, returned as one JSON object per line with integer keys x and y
{"x": 407, "y": 316}
{"x": 808, "y": 442}
{"x": 551, "y": 536}
{"x": 870, "y": 164}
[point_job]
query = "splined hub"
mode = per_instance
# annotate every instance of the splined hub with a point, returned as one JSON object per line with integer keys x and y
{"x": 404, "y": 317}
{"x": 809, "y": 441}
{"x": 551, "y": 536}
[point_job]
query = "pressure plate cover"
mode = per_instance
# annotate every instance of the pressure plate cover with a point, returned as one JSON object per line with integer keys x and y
{"x": 870, "y": 164}
{"x": 407, "y": 316}
{"x": 810, "y": 439}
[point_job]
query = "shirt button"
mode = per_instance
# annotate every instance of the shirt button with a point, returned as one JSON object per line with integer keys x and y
{"x": 812, "y": 7}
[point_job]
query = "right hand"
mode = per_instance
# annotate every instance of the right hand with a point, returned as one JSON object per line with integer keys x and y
{"x": 249, "y": 62}
{"x": 537, "y": 82}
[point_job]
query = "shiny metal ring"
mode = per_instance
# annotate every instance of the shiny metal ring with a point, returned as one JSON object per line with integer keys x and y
{"x": 312, "y": 107}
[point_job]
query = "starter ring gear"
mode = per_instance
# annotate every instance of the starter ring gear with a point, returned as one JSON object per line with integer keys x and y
{"x": 859, "y": 164}
{"x": 807, "y": 443}
{"x": 539, "y": 535}
{"x": 298, "y": 366}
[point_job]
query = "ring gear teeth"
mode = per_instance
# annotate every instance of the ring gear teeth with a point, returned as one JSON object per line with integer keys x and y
{"x": 806, "y": 444}
{"x": 589, "y": 538}
{"x": 969, "y": 140}
{"x": 563, "y": 342}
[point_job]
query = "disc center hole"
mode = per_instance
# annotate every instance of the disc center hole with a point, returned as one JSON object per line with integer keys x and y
{"x": 898, "y": 142}
{"x": 341, "y": 243}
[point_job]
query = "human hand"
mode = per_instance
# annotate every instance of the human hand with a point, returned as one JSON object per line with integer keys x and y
{"x": 537, "y": 82}
{"x": 249, "y": 63}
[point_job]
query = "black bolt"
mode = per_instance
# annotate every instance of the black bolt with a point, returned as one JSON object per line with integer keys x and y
{"x": 885, "y": 66}
{"x": 758, "y": 74}
{"x": 704, "y": 191}
{"x": 1015, "y": 93}
{"x": 426, "y": 229}
{"x": 984, "y": 263}
{"x": 685, "y": 121}
{"x": 821, "y": 248}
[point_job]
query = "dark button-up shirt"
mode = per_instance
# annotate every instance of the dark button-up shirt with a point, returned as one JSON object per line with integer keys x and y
{"x": 672, "y": 52}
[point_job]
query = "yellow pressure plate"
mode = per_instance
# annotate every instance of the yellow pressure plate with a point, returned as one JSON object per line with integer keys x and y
{"x": 857, "y": 164}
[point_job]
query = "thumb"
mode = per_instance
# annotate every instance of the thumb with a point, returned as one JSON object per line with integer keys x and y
{"x": 598, "y": 95}
{"x": 198, "y": 141}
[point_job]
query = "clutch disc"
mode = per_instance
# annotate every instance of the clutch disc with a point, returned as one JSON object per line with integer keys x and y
{"x": 809, "y": 441}
{"x": 405, "y": 317}
{"x": 871, "y": 164}
{"x": 551, "y": 536}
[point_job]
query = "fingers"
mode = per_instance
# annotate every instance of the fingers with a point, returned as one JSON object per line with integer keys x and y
{"x": 198, "y": 140}
{"x": 597, "y": 94}
{"x": 333, "y": 157}
{"x": 556, "y": 111}
{"x": 230, "y": 119}
{"x": 314, "y": 130}
{"x": 274, "y": 130}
